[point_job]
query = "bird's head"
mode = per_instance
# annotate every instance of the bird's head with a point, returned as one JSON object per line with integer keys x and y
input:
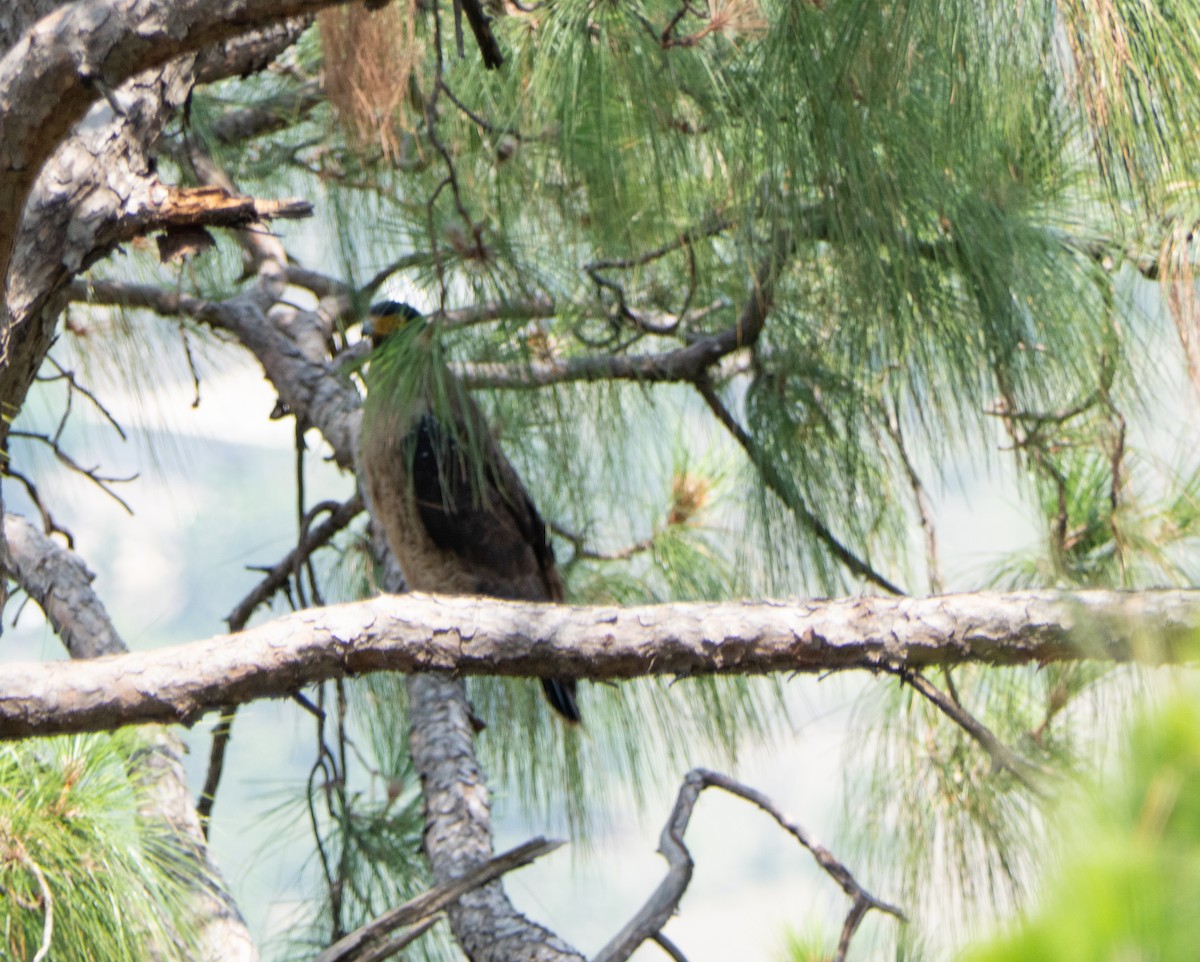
{"x": 387, "y": 317}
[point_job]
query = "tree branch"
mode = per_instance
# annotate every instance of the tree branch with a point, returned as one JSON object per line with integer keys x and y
{"x": 78, "y": 55}
{"x": 458, "y": 827}
{"x": 250, "y": 52}
{"x": 474, "y": 636}
{"x": 277, "y": 575}
{"x": 214, "y": 207}
{"x": 682, "y": 364}
{"x": 390, "y": 948}
{"x": 664, "y": 901}
{"x": 163, "y": 301}
{"x": 240, "y": 124}
{"x": 437, "y": 898}
{"x": 669, "y": 947}
{"x": 481, "y": 26}
{"x": 61, "y": 584}
{"x": 784, "y": 487}
{"x": 1002, "y": 756}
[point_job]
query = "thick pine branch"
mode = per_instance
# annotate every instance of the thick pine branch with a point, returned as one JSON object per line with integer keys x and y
{"x": 476, "y": 636}
{"x": 71, "y": 59}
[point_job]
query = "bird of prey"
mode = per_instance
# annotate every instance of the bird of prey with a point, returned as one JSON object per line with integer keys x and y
{"x": 456, "y": 515}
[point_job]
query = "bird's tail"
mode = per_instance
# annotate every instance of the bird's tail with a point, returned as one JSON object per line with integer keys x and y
{"x": 560, "y": 692}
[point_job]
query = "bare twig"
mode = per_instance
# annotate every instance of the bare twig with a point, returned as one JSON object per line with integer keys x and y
{"x": 386, "y": 950}
{"x": 436, "y": 899}
{"x": 1116, "y": 463}
{"x": 481, "y": 26}
{"x": 222, "y": 732}
{"x": 669, "y": 947}
{"x": 785, "y": 489}
{"x": 824, "y": 858}
{"x": 1038, "y": 418}
{"x": 321, "y": 765}
{"x": 431, "y": 130}
{"x": 664, "y": 902}
{"x": 478, "y": 120}
{"x": 667, "y": 37}
{"x": 710, "y": 227}
{"x": 49, "y": 525}
{"x": 267, "y": 116}
{"x": 92, "y": 474}
{"x": 579, "y": 543}
{"x": 1002, "y": 756}
{"x": 920, "y": 498}
{"x": 340, "y": 515}
{"x": 276, "y": 579}
{"x": 853, "y": 919}
{"x": 406, "y": 262}
{"x": 74, "y": 387}
{"x": 191, "y": 363}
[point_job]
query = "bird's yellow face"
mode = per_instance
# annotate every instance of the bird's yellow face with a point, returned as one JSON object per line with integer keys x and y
{"x": 387, "y": 317}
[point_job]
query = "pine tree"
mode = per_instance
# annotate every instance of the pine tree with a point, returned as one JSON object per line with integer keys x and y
{"x": 741, "y": 287}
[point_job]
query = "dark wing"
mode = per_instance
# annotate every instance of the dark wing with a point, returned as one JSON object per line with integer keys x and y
{"x": 482, "y": 515}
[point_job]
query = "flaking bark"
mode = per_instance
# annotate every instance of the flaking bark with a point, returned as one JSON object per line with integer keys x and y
{"x": 65, "y": 63}
{"x": 417, "y": 633}
{"x": 458, "y": 830}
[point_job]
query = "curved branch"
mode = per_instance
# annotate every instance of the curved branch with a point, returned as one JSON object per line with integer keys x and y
{"x": 687, "y": 364}
{"x": 664, "y": 901}
{"x": 417, "y": 633}
{"x": 59, "y": 581}
{"x": 247, "y": 53}
{"x": 277, "y": 575}
{"x": 113, "y": 187}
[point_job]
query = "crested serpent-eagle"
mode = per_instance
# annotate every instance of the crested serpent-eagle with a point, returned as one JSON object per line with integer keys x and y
{"x": 456, "y": 515}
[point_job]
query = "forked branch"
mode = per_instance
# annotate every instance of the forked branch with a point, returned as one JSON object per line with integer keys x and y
{"x": 664, "y": 902}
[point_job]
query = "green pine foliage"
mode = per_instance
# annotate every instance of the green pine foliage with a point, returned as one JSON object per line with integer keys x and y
{"x": 85, "y": 872}
{"x": 1129, "y": 850}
